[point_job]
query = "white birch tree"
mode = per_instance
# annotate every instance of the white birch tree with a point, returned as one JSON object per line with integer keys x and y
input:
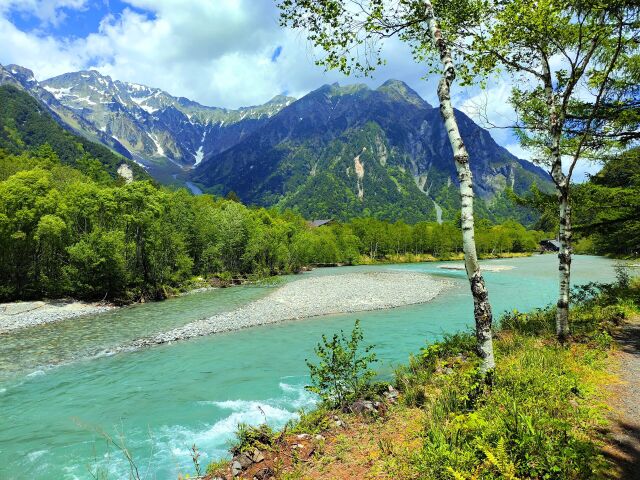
{"x": 352, "y": 34}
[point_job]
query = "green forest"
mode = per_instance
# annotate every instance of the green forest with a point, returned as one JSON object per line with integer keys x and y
{"x": 70, "y": 226}
{"x": 65, "y": 231}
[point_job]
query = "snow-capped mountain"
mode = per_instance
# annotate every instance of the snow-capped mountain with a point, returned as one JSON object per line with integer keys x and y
{"x": 158, "y": 130}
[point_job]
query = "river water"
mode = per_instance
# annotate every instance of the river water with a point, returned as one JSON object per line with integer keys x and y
{"x": 60, "y": 390}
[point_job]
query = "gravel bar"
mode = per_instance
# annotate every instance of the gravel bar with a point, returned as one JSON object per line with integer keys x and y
{"x": 16, "y": 315}
{"x": 312, "y": 297}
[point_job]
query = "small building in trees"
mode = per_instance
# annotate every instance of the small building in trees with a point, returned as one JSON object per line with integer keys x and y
{"x": 320, "y": 223}
{"x": 551, "y": 245}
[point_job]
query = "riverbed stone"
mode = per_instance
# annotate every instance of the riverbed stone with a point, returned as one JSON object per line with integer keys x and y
{"x": 312, "y": 296}
{"x": 236, "y": 468}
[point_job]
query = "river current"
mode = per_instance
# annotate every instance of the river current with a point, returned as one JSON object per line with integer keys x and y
{"x": 61, "y": 391}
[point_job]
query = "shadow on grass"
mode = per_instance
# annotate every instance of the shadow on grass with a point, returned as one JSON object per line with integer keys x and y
{"x": 624, "y": 450}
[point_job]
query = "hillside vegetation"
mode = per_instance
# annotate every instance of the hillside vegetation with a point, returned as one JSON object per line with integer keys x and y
{"x": 78, "y": 231}
{"x": 25, "y": 125}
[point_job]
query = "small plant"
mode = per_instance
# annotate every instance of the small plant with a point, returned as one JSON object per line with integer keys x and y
{"x": 195, "y": 455}
{"x": 623, "y": 276}
{"x": 217, "y": 467}
{"x": 342, "y": 375}
{"x": 313, "y": 422}
{"x": 249, "y": 438}
{"x": 450, "y": 346}
{"x": 536, "y": 322}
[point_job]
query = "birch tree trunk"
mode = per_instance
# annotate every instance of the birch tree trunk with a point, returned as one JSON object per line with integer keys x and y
{"x": 562, "y": 187}
{"x": 564, "y": 266}
{"x": 482, "y": 308}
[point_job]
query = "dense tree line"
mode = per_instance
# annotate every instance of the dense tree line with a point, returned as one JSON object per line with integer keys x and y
{"x": 608, "y": 208}
{"x": 78, "y": 231}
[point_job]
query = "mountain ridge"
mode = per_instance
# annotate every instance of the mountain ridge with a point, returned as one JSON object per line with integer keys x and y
{"x": 280, "y": 152}
{"x": 398, "y": 140}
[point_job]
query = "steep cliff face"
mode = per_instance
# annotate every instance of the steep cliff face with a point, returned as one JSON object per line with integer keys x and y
{"x": 27, "y": 124}
{"x": 24, "y": 79}
{"x": 344, "y": 151}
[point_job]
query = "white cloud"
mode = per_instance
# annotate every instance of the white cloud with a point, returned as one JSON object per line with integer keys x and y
{"x": 216, "y": 52}
{"x": 45, "y": 55}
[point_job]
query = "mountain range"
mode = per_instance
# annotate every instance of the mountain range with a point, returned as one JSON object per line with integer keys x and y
{"x": 339, "y": 151}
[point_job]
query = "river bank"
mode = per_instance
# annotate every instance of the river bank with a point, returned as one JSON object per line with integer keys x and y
{"x": 312, "y": 297}
{"x": 24, "y": 314}
{"x": 17, "y": 315}
{"x": 425, "y": 257}
{"x": 436, "y": 416}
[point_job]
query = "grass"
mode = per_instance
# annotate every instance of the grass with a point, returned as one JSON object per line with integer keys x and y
{"x": 426, "y": 257}
{"x": 542, "y": 417}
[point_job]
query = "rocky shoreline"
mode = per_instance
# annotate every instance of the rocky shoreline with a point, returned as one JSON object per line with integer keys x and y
{"x": 312, "y": 297}
{"x": 17, "y": 315}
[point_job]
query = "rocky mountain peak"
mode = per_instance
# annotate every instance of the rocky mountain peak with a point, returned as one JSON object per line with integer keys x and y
{"x": 401, "y": 91}
{"x": 281, "y": 99}
{"x": 22, "y": 74}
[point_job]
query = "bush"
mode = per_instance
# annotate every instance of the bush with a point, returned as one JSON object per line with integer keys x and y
{"x": 312, "y": 422}
{"x": 450, "y": 346}
{"x": 535, "y": 422}
{"x": 249, "y": 438}
{"x": 342, "y": 375}
{"x": 217, "y": 467}
{"x": 537, "y": 322}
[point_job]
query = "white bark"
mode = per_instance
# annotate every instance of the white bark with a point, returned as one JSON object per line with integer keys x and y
{"x": 564, "y": 267}
{"x": 482, "y": 308}
{"x": 562, "y": 187}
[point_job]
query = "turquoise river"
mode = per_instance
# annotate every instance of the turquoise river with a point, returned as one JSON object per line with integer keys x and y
{"x": 61, "y": 391}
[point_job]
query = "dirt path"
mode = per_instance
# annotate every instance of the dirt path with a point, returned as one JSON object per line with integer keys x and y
{"x": 625, "y": 422}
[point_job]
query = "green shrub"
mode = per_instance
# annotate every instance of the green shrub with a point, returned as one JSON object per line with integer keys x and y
{"x": 249, "y": 438}
{"x": 537, "y": 322}
{"x": 342, "y": 375}
{"x": 311, "y": 422}
{"x": 533, "y": 423}
{"x": 451, "y": 345}
{"x": 217, "y": 467}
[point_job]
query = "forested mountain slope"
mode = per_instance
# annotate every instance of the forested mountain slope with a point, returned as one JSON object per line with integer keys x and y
{"x": 26, "y": 125}
{"x": 350, "y": 151}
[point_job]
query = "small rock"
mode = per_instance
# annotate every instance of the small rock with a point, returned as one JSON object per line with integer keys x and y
{"x": 244, "y": 460}
{"x": 236, "y": 468}
{"x": 319, "y": 437}
{"x": 362, "y": 407}
{"x": 257, "y": 456}
{"x": 391, "y": 395}
{"x": 448, "y": 370}
{"x": 297, "y": 446}
{"x": 304, "y": 436}
{"x": 264, "y": 474}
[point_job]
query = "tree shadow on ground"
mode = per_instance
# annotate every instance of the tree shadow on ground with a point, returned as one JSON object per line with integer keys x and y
{"x": 624, "y": 431}
{"x": 624, "y": 451}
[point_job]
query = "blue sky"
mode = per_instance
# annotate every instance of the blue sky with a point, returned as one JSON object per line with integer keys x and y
{"x": 70, "y": 22}
{"x": 227, "y": 53}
